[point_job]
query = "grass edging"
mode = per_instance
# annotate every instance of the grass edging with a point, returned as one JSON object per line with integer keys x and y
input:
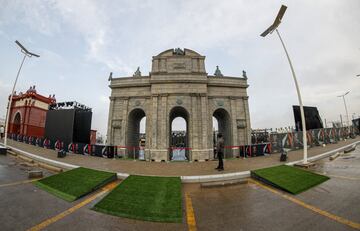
{"x": 76, "y": 183}
{"x": 290, "y": 179}
{"x": 148, "y": 198}
{"x": 55, "y": 192}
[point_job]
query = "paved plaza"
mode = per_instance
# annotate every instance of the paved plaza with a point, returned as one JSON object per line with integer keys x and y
{"x": 332, "y": 205}
{"x": 175, "y": 168}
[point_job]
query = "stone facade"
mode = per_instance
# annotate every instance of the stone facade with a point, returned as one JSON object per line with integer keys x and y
{"x": 178, "y": 85}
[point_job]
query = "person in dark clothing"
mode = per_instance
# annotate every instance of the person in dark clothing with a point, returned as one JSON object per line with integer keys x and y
{"x": 220, "y": 151}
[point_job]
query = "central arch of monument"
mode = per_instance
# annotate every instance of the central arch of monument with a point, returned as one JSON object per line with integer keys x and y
{"x": 178, "y": 86}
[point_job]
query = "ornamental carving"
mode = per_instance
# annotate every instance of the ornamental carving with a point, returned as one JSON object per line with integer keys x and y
{"x": 116, "y": 123}
{"x": 241, "y": 123}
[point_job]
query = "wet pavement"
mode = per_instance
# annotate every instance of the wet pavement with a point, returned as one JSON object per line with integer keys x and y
{"x": 248, "y": 206}
{"x": 176, "y": 168}
{"x": 251, "y": 207}
{"x": 23, "y": 206}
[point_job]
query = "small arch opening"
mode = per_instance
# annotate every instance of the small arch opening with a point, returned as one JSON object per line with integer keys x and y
{"x": 136, "y": 134}
{"x": 179, "y": 138}
{"x": 16, "y": 124}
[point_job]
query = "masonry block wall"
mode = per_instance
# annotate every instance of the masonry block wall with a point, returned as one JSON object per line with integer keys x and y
{"x": 178, "y": 85}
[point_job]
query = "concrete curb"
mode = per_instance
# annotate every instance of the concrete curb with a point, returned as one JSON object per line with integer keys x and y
{"x": 326, "y": 154}
{"x": 44, "y": 160}
{"x": 333, "y": 157}
{"x": 224, "y": 183}
{"x": 216, "y": 177}
{"x": 185, "y": 179}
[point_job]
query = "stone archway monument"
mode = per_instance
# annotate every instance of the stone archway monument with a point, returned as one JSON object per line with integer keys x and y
{"x": 178, "y": 85}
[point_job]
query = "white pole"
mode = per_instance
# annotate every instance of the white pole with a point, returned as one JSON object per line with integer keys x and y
{"x": 10, "y": 101}
{"x": 300, "y": 100}
{"x": 347, "y": 114}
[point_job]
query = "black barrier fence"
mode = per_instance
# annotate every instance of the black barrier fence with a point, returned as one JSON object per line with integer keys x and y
{"x": 78, "y": 148}
{"x": 277, "y": 142}
{"x": 113, "y": 151}
{"x": 255, "y": 150}
{"x": 315, "y": 137}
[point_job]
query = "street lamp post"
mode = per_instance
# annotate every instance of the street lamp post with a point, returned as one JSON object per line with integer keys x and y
{"x": 26, "y": 54}
{"x": 347, "y": 115}
{"x": 272, "y": 28}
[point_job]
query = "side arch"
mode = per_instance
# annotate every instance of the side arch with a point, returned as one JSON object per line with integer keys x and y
{"x": 224, "y": 126}
{"x": 133, "y": 132}
{"x": 16, "y": 123}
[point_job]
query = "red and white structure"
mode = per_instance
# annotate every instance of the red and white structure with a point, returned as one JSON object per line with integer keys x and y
{"x": 27, "y": 114}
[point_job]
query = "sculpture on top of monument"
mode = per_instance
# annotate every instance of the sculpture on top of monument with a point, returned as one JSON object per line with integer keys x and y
{"x": 110, "y": 77}
{"x": 244, "y": 74}
{"x": 178, "y": 51}
{"x": 218, "y": 72}
{"x": 137, "y": 73}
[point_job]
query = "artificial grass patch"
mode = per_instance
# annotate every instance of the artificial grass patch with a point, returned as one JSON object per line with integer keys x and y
{"x": 75, "y": 183}
{"x": 290, "y": 179}
{"x": 145, "y": 198}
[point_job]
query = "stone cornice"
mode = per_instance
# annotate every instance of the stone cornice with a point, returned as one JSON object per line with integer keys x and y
{"x": 127, "y": 85}
{"x": 166, "y": 81}
{"x": 227, "y": 77}
{"x": 179, "y": 94}
{"x": 165, "y": 73}
{"x": 226, "y": 97}
{"x": 232, "y": 85}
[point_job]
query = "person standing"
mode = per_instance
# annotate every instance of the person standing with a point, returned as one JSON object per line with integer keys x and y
{"x": 220, "y": 151}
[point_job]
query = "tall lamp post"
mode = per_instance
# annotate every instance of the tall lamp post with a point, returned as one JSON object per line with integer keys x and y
{"x": 347, "y": 115}
{"x": 26, "y": 54}
{"x": 271, "y": 29}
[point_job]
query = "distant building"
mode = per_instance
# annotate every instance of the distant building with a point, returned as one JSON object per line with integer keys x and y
{"x": 28, "y": 113}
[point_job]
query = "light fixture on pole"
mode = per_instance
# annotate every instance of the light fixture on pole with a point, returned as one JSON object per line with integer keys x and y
{"x": 358, "y": 75}
{"x": 26, "y": 54}
{"x": 272, "y": 28}
{"x": 347, "y": 115}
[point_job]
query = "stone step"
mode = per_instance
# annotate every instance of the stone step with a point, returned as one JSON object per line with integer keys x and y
{"x": 35, "y": 174}
{"x": 349, "y": 149}
{"x": 223, "y": 183}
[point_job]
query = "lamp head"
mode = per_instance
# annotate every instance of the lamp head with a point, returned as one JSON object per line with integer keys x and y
{"x": 276, "y": 22}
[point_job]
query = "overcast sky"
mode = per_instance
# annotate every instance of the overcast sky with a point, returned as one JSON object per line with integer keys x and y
{"x": 80, "y": 42}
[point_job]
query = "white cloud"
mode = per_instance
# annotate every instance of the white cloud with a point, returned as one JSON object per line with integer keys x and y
{"x": 322, "y": 39}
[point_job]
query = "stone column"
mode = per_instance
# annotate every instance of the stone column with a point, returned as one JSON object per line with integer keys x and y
{"x": 207, "y": 154}
{"x": 246, "y": 132}
{"x": 153, "y": 125}
{"x": 124, "y": 126}
{"x": 148, "y": 138}
{"x": 210, "y": 126}
{"x": 109, "y": 136}
{"x": 247, "y": 119}
{"x": 194, "y": 121}
{"x": 234, "y": 133}
{"x": 163, "y": 141}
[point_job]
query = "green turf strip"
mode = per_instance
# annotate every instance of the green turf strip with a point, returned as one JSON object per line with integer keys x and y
{"x": 145, "y": 198}
{"x": 75, "y": 183}
{"x": 290, "y": 179}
